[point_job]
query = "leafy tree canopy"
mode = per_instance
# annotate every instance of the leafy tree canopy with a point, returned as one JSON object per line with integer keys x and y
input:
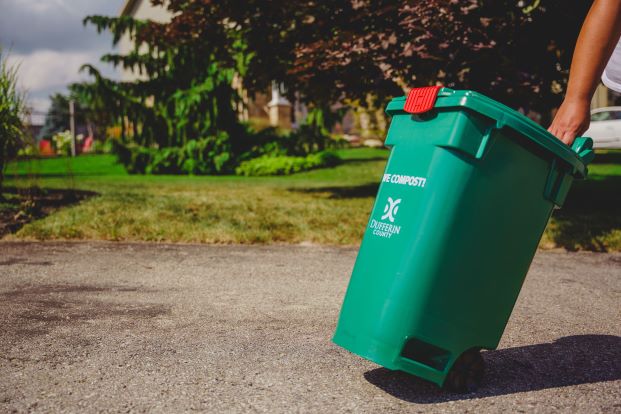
{"x": 515, "y": 51}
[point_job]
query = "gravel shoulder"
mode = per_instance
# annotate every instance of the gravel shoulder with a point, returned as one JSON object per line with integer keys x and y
{"x": 108, "y": 327}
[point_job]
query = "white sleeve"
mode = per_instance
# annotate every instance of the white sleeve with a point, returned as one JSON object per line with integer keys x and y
{"x": 612, "y": 73}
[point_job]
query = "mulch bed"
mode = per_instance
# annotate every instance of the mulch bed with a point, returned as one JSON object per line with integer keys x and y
{"x": 19, "y": 206}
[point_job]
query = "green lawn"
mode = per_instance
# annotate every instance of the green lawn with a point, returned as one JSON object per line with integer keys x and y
{"x": 327, "y": 206}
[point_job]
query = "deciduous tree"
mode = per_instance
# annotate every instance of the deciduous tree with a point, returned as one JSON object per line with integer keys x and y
{"x": 515, "y": 51}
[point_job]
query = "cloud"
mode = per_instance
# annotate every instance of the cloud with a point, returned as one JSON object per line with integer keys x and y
{"x": 49, "y": 42}
{"x": 44, "y": 72}
{"x": 29, "y": 25}
{"x": 50, "y": 68}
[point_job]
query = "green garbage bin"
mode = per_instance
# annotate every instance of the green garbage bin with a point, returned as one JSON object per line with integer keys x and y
{"x": 466, "y": 194}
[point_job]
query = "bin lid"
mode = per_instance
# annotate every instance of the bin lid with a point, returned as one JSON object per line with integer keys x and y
{"x": 504, "y": 117}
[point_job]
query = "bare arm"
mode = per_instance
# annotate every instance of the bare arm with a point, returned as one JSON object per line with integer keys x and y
{"x": 598, "y": 37}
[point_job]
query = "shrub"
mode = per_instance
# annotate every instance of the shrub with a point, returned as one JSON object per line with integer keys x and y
{"x": 62, "y": 142}
{"x": 202, "y": 156}
{"x": 28, "y": 151}
{"x": 218, "y": 154}
{"x": 299, "y": 143}
{"x": 12, "y": 108}
{"x": 103, "y": 147}
{"x": 284, "y": 165}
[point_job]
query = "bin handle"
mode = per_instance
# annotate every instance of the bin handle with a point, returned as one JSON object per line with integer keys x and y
{"x": 583, "y": 147}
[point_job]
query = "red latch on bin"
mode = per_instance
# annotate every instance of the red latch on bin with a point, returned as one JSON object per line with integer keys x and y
{"x": 421, "y": 99}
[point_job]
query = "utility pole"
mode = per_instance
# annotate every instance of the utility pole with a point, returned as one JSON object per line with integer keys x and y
{"x": 72, "y": 125}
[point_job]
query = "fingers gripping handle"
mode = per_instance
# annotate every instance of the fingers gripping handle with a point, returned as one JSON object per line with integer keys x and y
{"x": 583, "y": 147}
{"x": 559, "y": 179}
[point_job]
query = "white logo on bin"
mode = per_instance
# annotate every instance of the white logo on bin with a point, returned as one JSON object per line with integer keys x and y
{"x": 391, "y": 209}
{"x": 382, "y": 228}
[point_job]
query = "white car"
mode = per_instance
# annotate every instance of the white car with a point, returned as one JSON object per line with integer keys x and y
{"x": 605, "y": 129}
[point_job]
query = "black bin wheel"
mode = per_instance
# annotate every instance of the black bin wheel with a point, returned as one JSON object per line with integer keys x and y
{"x": 466, "y": 373}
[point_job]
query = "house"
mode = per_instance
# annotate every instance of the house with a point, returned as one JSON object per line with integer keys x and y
{"x": 604, "y": 97}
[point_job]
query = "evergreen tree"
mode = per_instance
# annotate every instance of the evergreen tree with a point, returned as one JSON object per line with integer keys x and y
{"x": 186, "y": 92}
{"x": 57, "y": 117}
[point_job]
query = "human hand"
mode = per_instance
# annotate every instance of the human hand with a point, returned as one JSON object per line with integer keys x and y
{"x": 571, "y": 120}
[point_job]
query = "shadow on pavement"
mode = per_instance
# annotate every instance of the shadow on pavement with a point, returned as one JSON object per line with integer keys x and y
{"x": 29, "y": 311}
{"x": 572, "y": 360}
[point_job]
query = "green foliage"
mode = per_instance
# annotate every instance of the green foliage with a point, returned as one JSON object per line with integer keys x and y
{"x": 12, "y": 108}
{"x": 62, "y": 142}
{"x": 103, "y": 147}
{"x": 215, "y": 155}
{"x": 308, "y": 139}
{"x": 209, "y": 155}
{"x": 299, "y": 143}
{"x": 356, "y": 53}
{"x": 186, "y": 92}
{"x": 285, "y": 165}
{"x": 27, "y": 151}
{"x": 118, "y": 26}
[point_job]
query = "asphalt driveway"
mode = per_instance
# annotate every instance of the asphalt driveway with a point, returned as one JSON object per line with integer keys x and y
{"x": 91, "y": 327}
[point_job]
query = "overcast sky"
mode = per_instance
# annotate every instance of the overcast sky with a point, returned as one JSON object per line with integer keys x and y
{"x": 47, "y": 39}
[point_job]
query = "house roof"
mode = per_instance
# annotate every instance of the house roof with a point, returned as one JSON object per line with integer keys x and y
{"x": 129, "y": 7}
